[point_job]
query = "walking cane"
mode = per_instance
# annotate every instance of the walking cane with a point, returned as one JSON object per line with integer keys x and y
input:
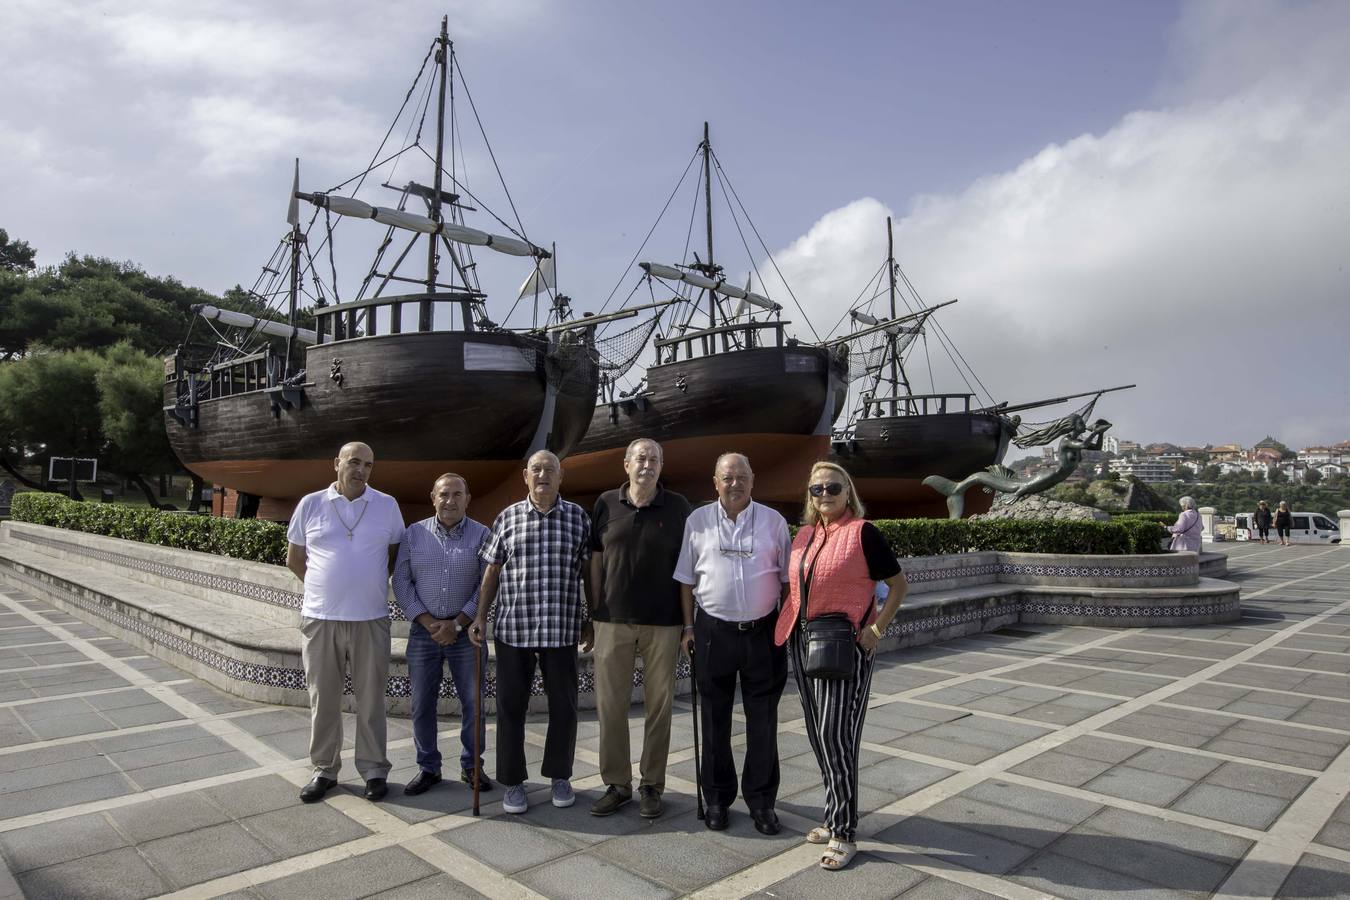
{"x": 698, "y": 770}
{"x": 477, "y": 722}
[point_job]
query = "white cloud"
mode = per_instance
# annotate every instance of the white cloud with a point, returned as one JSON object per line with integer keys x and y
{"x": 1196, "y": 249}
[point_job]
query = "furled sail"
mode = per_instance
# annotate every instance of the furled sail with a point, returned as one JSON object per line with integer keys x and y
{"x": 746, "y": 296}
{"x": 265, "y": 326}
{"x": 398, "y": 218}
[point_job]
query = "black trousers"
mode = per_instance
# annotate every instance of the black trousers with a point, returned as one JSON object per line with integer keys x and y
{"x": 722, "y": 653}
{"x": 515, "y": 676}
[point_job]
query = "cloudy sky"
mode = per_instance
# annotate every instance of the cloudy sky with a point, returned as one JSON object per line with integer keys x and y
{"x": 1148, "y": 192}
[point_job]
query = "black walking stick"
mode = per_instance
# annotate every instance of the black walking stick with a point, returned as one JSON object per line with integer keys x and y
{"x": 477, "y": 722}
{"x": 698, "y": 770}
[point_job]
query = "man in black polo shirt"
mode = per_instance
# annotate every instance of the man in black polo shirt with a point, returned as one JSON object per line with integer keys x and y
{"x": 635, "y": 604}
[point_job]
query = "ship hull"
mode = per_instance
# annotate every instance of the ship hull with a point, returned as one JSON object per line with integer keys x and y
{"x": 890, "y": 456}
{"x": 426, "y": 403}
{"x": 774, "y": 404}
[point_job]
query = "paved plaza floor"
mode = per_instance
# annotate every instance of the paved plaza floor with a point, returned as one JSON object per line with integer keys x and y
{"x": 1034, "y": 761}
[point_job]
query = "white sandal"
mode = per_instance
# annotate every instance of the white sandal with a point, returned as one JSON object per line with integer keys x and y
{"x": 838, "y": 855}
{"x": 819, "y": 835}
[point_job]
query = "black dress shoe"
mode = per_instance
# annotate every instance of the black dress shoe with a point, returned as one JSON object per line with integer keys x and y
{"x": 376, "y": 788}
{"x": 715, "y": 817}
{"x": 423, "y": 782}
{"x": 766, "y": 821}
{"x": 317, "y": 787}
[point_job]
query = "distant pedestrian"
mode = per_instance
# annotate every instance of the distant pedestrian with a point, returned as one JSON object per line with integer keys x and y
{"x": 1187, "y": 529}
{"x": 436, "y": 582}
{"x": 537, "y": 559}
{"x": 342, "y": 545}
{"x": 838, "y": 559}
{"x": 1284, "y": 519}
{"x": 637, "y": 532}
{"x": 1263, "y": 520}
{"x": 734, "y": 565}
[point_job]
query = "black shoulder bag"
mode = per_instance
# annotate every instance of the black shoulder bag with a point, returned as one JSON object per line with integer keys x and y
{"x": 829, "y": 638}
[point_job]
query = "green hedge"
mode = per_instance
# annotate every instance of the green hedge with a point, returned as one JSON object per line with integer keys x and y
{"x": 250, "y": 539}
{"x": 260, "y": 541}
{"x": 931, "y": 537}
{"x": 1162, "y": 518}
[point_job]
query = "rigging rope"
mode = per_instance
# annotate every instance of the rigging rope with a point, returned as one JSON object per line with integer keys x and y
{"x": 491, "y": 155}
{"x": 659, "y": 216}
{"x": 767, "y": 253}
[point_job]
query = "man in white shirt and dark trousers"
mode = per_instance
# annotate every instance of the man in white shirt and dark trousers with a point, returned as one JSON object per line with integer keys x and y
{"x": 734, "y": 566}
{"x": 342, "y": 545}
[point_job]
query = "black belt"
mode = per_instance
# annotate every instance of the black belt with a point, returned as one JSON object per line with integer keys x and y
{"x": 752, "y": 625}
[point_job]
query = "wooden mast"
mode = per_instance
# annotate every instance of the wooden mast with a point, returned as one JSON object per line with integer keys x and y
{"x": 707, "y": 208}
{"x": 890, "y": 339}
{"x": 433, "y": 256}
{"x": 297, "y": 240}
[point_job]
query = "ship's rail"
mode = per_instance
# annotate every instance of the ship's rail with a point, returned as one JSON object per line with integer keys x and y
{"x": 916, "y": 405}
{"x": 241, "y": 375}
{"x": 360, "y": 318}
{"x": 735, "y": 336}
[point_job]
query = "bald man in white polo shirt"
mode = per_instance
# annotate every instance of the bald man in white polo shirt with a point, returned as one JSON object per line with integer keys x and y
{"x": 734, "y": 567}
{"x": 342, "y": 544}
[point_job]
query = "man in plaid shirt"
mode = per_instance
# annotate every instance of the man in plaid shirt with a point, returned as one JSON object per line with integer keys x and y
{"x": 537, "y": 559}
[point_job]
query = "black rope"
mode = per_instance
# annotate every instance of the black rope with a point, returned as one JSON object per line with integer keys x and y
{"x": 948, "y": 344}
{"x": 392, "y": 125}
{"x": 721, "y": 183}
{"x": 875, "y": 276}
{"x": 491, "y": 155}
{"x": 652, "y": 230}
{"x": 332, "y": 265}
{"x": 693, "y": 210}
{"x": 774, "y": 262}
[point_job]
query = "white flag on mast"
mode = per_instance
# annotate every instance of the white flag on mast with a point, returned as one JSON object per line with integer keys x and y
{"x": 293, "y": 211}
{"x": 540, "y": 280}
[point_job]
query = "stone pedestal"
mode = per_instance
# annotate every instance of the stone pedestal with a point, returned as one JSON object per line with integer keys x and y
{"x": 1344, "y": 516}
{"x": 1207, "y": 534}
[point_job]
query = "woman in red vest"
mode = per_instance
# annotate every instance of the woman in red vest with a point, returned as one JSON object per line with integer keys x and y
{"x": 837, "y": 559}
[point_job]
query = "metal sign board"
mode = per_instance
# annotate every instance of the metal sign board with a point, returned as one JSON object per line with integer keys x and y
{"x": 59, "y": 469}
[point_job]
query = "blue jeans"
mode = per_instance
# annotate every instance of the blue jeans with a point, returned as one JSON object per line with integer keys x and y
{"x": 426, "y": 664}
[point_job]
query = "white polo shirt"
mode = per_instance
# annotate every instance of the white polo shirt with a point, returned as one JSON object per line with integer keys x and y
{"x": 346, "y": 577}
{"x": 736, "y": 568}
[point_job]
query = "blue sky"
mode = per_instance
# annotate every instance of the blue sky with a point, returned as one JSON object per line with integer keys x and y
{"x": 1149, "y": 192}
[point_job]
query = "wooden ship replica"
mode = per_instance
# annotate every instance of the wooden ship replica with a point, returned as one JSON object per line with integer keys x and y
{"x": 425, "y": 377}
{"x": 725, "y": 375}
{"x": 894, "y": 438}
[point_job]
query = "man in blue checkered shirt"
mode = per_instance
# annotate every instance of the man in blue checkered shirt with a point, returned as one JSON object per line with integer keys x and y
{"x": 537, "y": 559}
{"x": 436, "y": 580}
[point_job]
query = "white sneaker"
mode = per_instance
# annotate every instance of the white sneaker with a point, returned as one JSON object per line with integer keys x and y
{"x": 562, "y": 793}
{"x": 515, "y": 801}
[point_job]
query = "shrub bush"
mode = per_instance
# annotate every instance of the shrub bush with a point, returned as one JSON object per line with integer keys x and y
{"x": 932, "y": 537}
{"x": 1162, "y": 518}
{"x": 259, "y": 541}
{"x": 250, "y": 539}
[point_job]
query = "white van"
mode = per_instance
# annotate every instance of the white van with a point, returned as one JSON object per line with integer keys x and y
{"x": 1304, "y": 528}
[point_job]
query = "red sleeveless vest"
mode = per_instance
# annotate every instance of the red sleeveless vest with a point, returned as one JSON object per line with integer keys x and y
{"x": 840, "y": 582}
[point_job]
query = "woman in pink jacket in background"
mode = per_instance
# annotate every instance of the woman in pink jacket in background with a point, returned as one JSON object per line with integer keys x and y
{"x": 837, "y": 559}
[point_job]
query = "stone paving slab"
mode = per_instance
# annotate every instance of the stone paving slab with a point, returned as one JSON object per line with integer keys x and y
{"x": 1036, "y": 761}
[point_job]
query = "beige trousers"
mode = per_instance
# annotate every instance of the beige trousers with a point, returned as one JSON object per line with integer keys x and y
{"x": 330, "y": 646}
{"x": 616, "y": 650}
